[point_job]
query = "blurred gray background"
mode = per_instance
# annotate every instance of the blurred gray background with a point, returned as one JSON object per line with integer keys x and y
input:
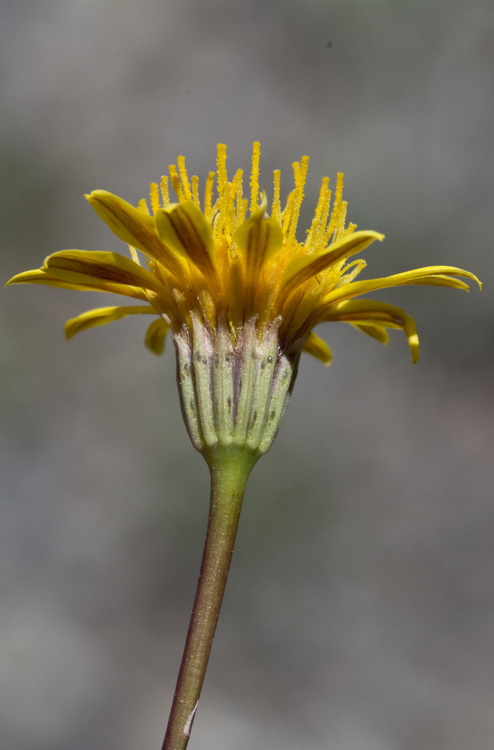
{"x": 360, "y": 608}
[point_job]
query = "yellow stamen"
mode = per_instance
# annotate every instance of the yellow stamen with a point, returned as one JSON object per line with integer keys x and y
{"x": 323, "y": 203}
{"x": 300, "y": 175}
{"x": 184, "y": 178}
{"x": 221, "y": 167}
{"x": 242, "y": 211}
{"x": 286, "y": 214}
{"x": 335, "y": 214}
{"x": 254, "y": 176}
{"x": 174, "y": 178}
{"x": 340, "y": 226}
{"x": 236, "y": 199}
{"x": 208, "y": 194}
{"x": 164, "y": 190}
{"x": 324, "y": 219}
{"x": 143, "y": 206}
{"x": 276, "y": 207}
{"x": 195, "y": 191}
{"x": 155, "y": 197}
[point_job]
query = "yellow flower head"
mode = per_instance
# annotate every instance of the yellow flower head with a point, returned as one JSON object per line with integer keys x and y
{"x": 228, "y": 265}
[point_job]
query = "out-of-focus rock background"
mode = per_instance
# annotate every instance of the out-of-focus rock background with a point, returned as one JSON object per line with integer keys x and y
{"x": 359, "y": 612}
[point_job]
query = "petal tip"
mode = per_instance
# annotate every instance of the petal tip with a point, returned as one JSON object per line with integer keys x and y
{"x": 94, "y": 195}
{"x": 19, "y": 278}
{"x": 413, "y": 343}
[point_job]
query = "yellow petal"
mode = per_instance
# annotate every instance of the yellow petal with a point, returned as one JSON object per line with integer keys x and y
{"x": 318, "y": 348}
{"x": 183, "y": 228}
{"x": 156, "y": 335}
{"x": 376, "y": 332}
{"x": 258, "y": 238}
{"x": 307, "y": 266}
{"x": 133, "y": 226}
{"x": 430, "y": 275}
{"x": 100, "y": 316}
{"x": 40, "y": 276}
{"x": 370, "y": 316}
{"x": 96, "y": 267}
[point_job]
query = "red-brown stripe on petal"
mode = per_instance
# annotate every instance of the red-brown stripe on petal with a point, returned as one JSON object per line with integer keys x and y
{"x": 133, "y": 226}
{"x": 40, "y": 276}
{"x": 183, "y": 228}
{"x": 258, "y": 238}
{"x": 81, "y": 266}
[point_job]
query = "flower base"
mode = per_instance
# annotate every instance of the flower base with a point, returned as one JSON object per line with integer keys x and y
{"x": 233, "y": 388}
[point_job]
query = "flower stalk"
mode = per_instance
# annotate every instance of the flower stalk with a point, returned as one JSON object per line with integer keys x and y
{"x": 229, "y": 476}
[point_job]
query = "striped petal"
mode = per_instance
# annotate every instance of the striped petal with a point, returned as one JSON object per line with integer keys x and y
{"x": 430, "y": 275}
{"x": 302, "y": 269}
{"x": 40, "y": 276}
{"x": 100, "y": 316}
{"x": 183, "y": 228}
{"x": 373, "y": 318}
{"x": 133, "y": 226}
{"x": 258, "y": 238}
{"x": 318, "y": 348}
{"x": 98, "y": 268}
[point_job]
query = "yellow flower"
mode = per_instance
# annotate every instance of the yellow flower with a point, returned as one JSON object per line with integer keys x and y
{"x": 226, "y": 272}
{"x": 241, "y": 294}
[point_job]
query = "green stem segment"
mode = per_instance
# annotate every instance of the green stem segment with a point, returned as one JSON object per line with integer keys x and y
{"x": 228, "y": 481}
